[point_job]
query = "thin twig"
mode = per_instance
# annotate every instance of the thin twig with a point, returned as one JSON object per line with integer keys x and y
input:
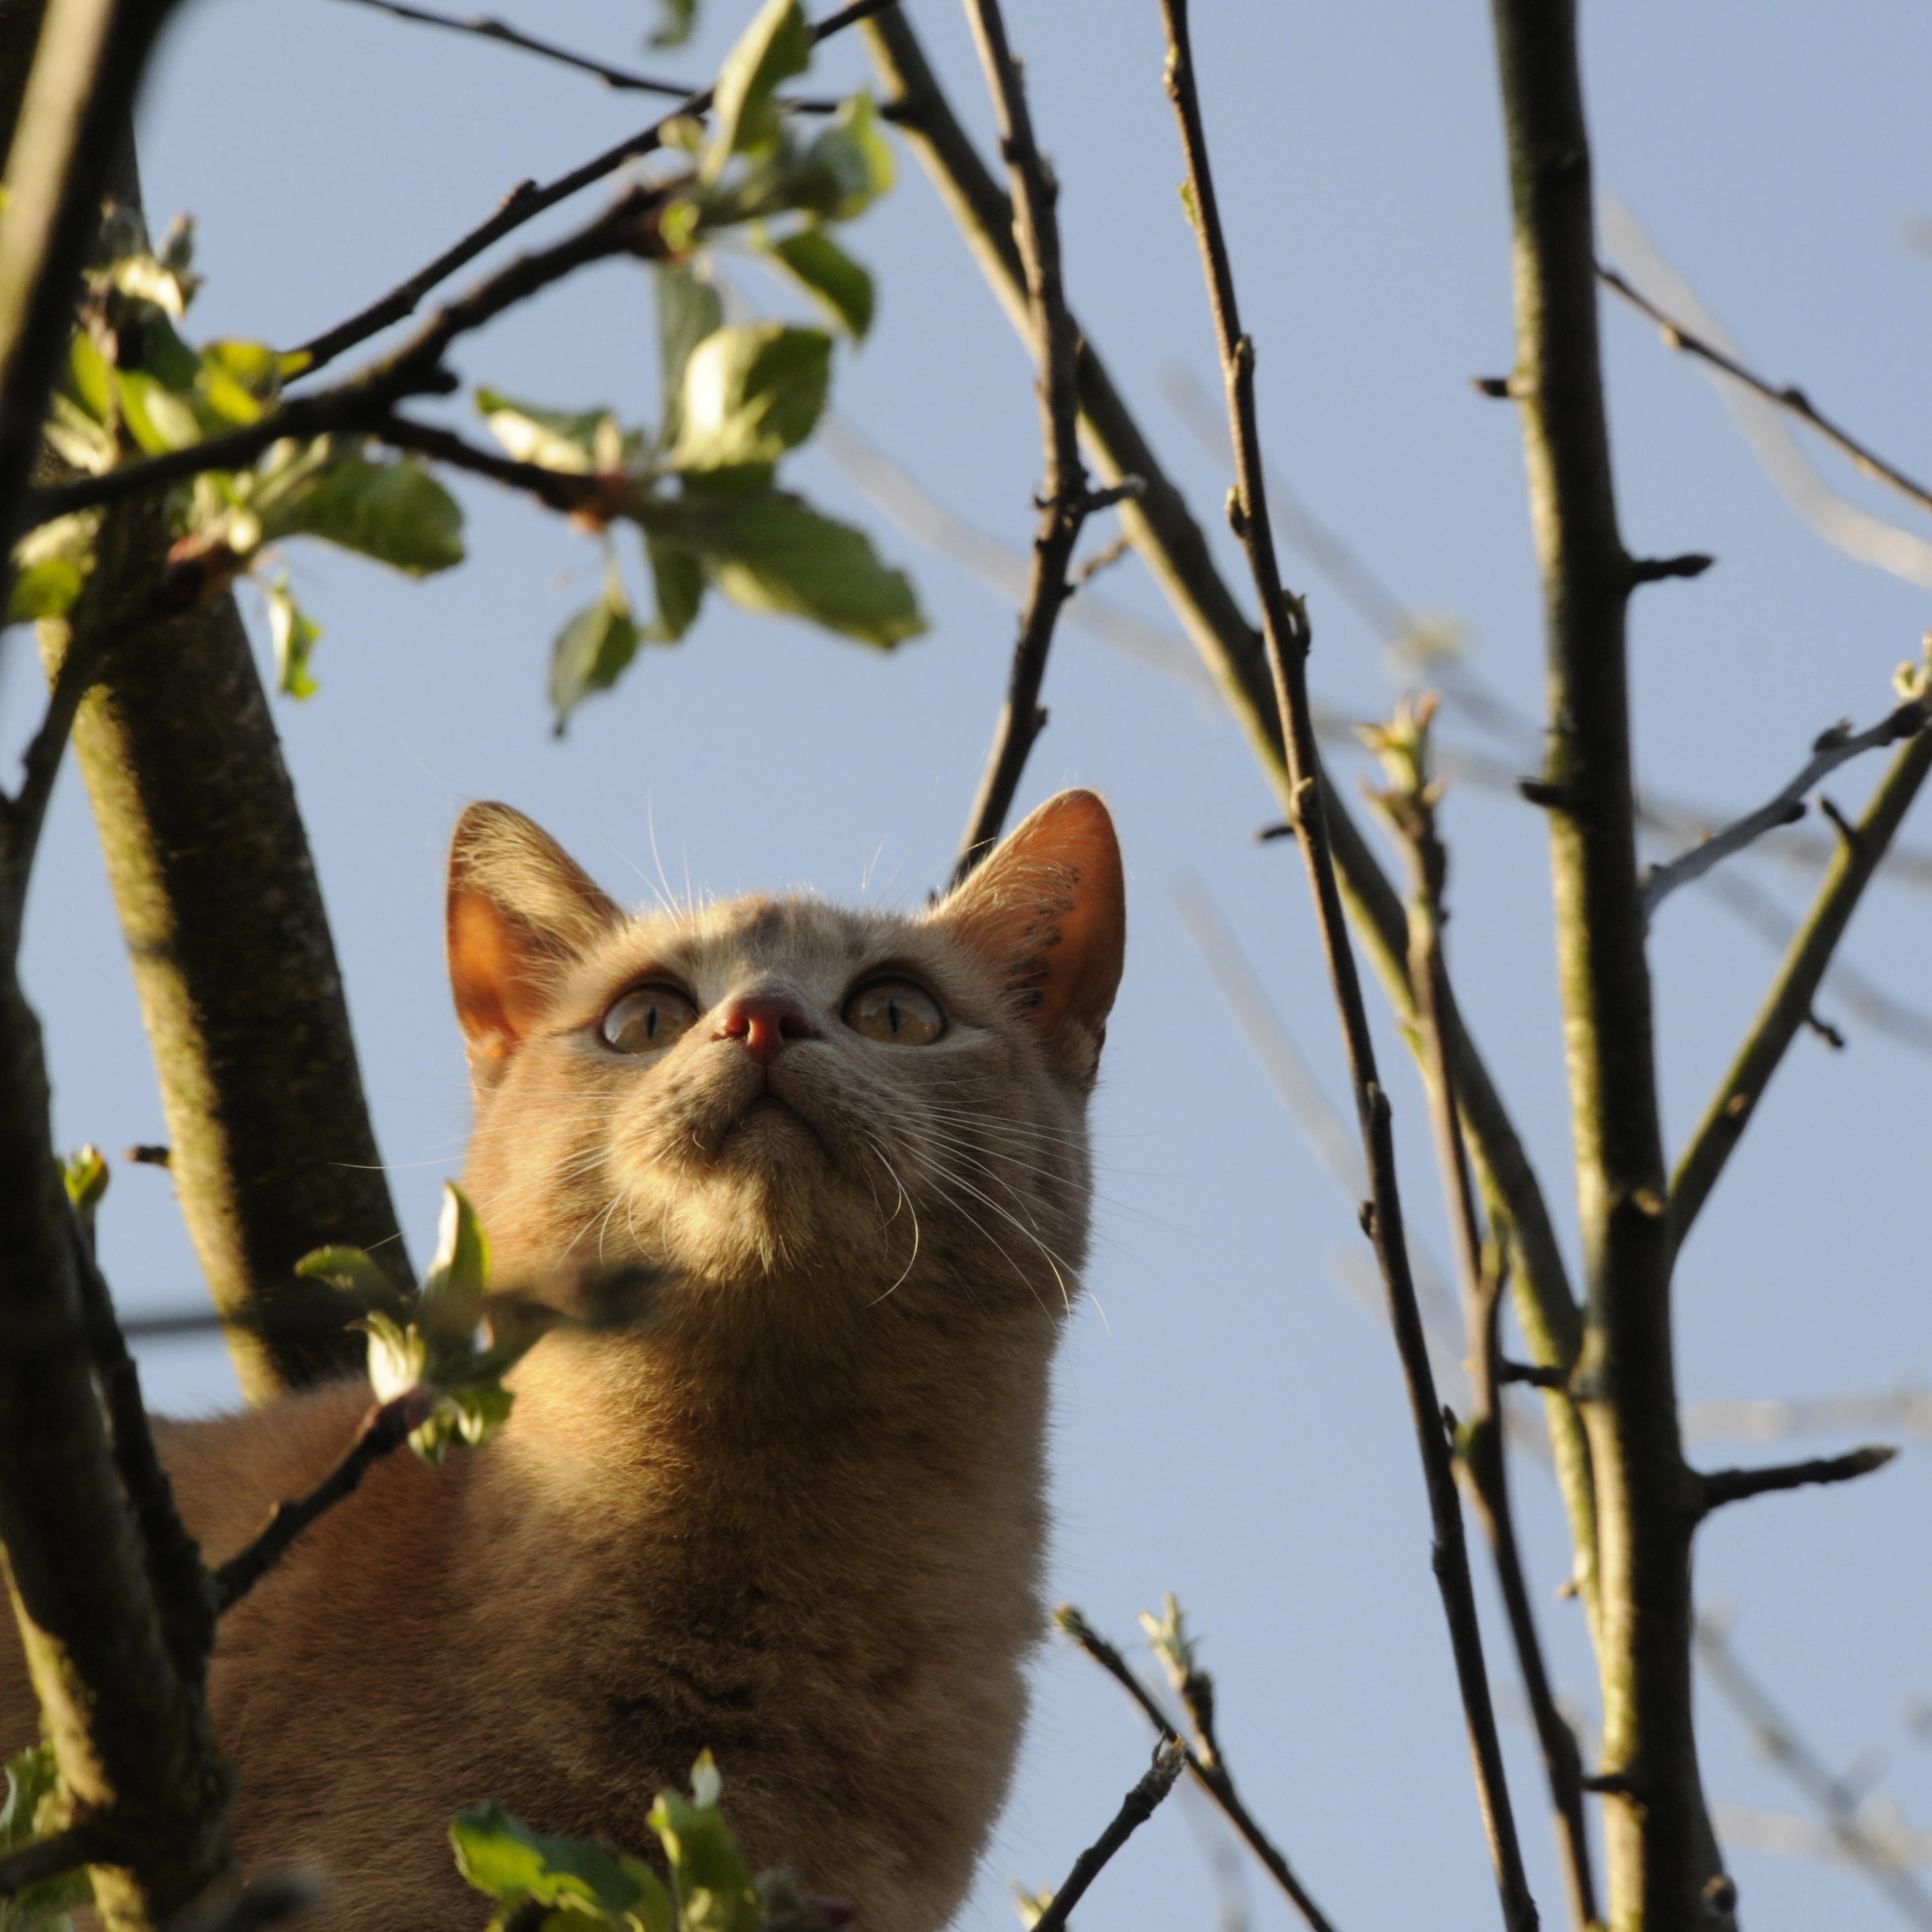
{"x": 385, "y": 1429}
{"x": 1136, "y": 1808}
{"x": 1778, "y": 1740}
{"x": 1716, "y": 1487}
{"x": 1064, "y": 499}
{"x": 1792, "y": 994}
{"x": 558, "y": 489}
{"x": 1285, "y": 629}
{"x": 1787, "y": 396}
{"x": 1837, "y": 747}
{"x": 483, "y": 27}
{"x": 1410, "y": 809}
{"x": 184, "y": 1591}
{"x": 1213, "y": 1777}
{"x": 525, "y": 202}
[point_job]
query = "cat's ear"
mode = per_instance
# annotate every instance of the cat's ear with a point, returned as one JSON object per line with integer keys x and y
{"x": 519, "y": 910}
{"x": 1047, "y": 911}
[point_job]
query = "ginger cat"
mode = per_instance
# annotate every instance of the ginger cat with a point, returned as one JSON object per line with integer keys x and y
{"x": 794, "y": 1512}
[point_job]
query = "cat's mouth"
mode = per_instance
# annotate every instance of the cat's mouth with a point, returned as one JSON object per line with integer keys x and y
{"x": 768, "y": 1119}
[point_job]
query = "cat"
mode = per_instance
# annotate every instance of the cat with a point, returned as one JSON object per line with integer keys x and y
{"x": 794, "y": 1512}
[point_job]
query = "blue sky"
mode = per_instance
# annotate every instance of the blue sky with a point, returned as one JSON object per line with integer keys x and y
{"x": 1230, "y": 1423}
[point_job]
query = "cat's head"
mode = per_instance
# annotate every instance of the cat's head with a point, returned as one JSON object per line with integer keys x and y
{"x": 780, "y": 1101}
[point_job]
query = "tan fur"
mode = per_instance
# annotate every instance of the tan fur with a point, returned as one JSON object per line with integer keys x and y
{"x": 792, "y": 1510}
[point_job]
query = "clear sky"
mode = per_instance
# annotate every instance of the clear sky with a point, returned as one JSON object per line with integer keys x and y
{"x": 1230, "y": 1423}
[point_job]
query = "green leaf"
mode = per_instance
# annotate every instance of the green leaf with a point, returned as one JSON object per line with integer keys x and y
{"x": 679, "y": 576}
{"x": 771, "y": 552}
{"x": 503, "y": 1858}
{"x": 849, "y": 165}
{"x": 708, "y": 1872}
{"x": 34, "y": 1808}
{"x": 460, "y": 1271}
{"x": 593, "y": 651}
{"x": 745, "y": 118}
{"x": 750, "y": 394}
{"x": 571, "y": 441}
{"x": 89, "y": 375}
{"x": 481, "y": 1408}
{"x": 294, "y": 636}
{"x": 688, "y": 309}
{"x": 396, "y": 513}
{"x": 827, "y": 272}
{"x": 354, "y": 1272}
{"x": 156, "y": 417}
{"x": 47, "y": 590}
{"x": 676, "y": 19}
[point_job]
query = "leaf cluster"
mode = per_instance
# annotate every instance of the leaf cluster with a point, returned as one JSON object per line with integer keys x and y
{"x": 34, "y": 1809}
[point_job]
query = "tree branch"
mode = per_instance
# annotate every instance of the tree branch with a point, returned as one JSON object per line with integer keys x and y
{"x": 1136, "y": 1808}
{"x": 63, "y": 1851}
{"x": 1409, "y": 806}
{"x": 1838, "y": 746}
{"x": 556, "y": 489}
{"x": 527, "y": 201}
{"x": 364, "y": 401}
{"x": 1209, "y": 1769}
{"x": 1172, "y": 543}
{"x": 1787, "y": 396}
{"x": 1285, "y": 629}
{"x": 1064, "y": 499}
{"x": 385, "y": 1429}
{"x": 1659, "y": 1850}
{"x": 1789, "y": 1000}
{"x": 1716, "y": 1487}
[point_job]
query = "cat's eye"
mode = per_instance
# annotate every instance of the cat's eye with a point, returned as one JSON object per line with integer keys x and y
{"x": 647, "y": 1019}
{"x": 896, "y": 1011}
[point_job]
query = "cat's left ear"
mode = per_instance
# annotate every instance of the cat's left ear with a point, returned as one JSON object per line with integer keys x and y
{"x": 520, "y": 910}
{"x": 1047, "y": 911}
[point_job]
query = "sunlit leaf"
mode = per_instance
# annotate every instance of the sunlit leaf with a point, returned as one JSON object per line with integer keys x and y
{"x": 745, "y": 118}
{"x": 769, "y": 551}
{"x": 750, "y": 394}
{"x": 294, "y": 636}
{"x": 502, "y": 1857}
{"x": 398, "y": 1355}
{"x": 828, "y": 273}
{"x": 593, "y": 651}
{"x": 353, "y": 1272}
{"x": 554, "y": 438}
{"x": 688, "y": 309}
{"x": 91, "y": 379}
{"x": 460, "y": 1270}
{"x": 51, "y": 565}
{"x": 709, "y": 1879}
{"x": 158, "y": 419}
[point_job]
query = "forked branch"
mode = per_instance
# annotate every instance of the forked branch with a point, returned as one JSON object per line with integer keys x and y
{"x": 1209, "y": 1767}
{"x": 1285, "y": 633}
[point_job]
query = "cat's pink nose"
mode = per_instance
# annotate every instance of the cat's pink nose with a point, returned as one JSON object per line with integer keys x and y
{"x": 765, "y": 1022}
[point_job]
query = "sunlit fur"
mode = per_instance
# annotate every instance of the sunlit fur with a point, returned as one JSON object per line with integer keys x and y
{"x": 791, "y": 1511}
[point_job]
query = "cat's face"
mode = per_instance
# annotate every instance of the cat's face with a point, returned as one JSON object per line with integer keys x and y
{"x": 772, "y": 1094}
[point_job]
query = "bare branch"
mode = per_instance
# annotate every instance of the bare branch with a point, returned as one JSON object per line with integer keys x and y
{"x": 1212, "y": 1776}
{"x": 47, "y": 1857}
{"x": 1787, "y": 396}
{"x": 1790, "y": 998}
{"x": 1718, "y": 1487}
{"x": 1285, "y": 632}
{"x": 1065, "y": 499}
{"x": 1838, "y": 746}
{"x": 385, "y": 1429}
{"x": 525, "y": 202}
{"x": 1136, "y": 1808}
{"x": 557, "y": 489}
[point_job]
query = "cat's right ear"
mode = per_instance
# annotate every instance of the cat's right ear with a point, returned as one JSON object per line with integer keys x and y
{"x": 519, "y": 910}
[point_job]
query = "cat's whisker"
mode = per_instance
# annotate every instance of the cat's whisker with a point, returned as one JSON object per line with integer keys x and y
{"x": 905, "y": 1201}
